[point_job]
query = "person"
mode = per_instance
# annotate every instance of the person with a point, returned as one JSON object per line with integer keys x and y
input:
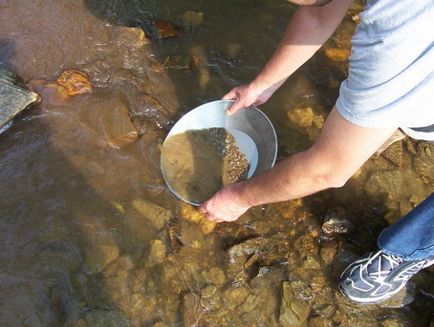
{"x": 389, "y": 86}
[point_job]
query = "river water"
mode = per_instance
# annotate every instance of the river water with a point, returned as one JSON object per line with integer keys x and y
{"x": 90, "y": 234}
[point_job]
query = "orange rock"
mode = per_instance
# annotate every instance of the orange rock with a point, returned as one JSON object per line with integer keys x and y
{"x": 337, "y": 54}
{"x": 75, "y": 82}
{"x": 165, "y": 29}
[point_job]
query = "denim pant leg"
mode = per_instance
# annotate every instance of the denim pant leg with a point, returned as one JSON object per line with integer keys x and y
{"x": 412, "y": 237}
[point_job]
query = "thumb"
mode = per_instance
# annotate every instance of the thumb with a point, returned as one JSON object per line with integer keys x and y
{"x": 234, "y": 108}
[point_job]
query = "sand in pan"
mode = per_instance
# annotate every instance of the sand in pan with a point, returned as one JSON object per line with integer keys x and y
{"x": 198, "y": 163}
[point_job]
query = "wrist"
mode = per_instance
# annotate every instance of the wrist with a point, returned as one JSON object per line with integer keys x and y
{"x": 241, "y": 195}
{"x": 261, "y": 85}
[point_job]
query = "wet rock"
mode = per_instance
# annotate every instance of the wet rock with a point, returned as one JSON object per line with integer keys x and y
{"x": 158, "y": 216}
{"x": 119, "y": 268}
{"x": 75, "y": 82}
{"x": 148, "y": 112}
{"x": 13, "y": 98}
{"x": 337, "y": 54}
{"x": 81, "y": 323}
{"x": 293, "y": 311}
{"x": 328, "y": 252}
{"x": 336, "y": 222}
{"x": 130, "y": 35}
{"x": 191, "y": 312}
{"x": 409, "y": 145}
{"x": 235, "y": 296}
{"x": 105, "y": 318}
{"x": 424, "y": 161}
{"x": 214, "y": 276}
{"x": 163, "y": 30}
{"x": 160, "y": 324}
{"x": 99, "y": 257}
{"x": 390, "y": 180}
{"x": 191, "y": 214}
{"x": 319, "y": 322}
{"x": 394, "y": 153}
{"x": 402, "y": 298}
{"x": 393, "y": 322}
{"x": 117, "y": 126}
{"x": 200, "y": 62}
{"x": 157, "y": 253}
{"x": 178, "y": 62}
{"x": 301, "y": 117}
{"x": 208, "y": 291}
{"x": 192, "y": 18}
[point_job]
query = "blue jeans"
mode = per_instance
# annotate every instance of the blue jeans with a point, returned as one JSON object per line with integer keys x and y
{"x": 412, "y": 237}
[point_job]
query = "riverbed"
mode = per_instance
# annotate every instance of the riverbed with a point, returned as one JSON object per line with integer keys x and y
{"x": 89, "y": 233}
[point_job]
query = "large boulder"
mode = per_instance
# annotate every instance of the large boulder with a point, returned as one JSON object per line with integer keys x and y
{"x": 14, "y": 98}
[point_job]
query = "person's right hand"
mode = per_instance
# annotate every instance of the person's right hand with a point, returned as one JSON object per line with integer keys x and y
{"x": 247, "y": 95}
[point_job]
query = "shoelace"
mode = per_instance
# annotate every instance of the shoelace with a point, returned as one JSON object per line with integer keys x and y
{"x": 380, "y": 273}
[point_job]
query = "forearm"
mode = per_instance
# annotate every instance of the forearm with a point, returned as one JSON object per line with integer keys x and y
{"x": 292, "y": 178}
{"x": 307, "y": 31}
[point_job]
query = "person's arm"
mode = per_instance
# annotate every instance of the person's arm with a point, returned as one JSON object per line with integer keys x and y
{"x": 307, "y": 31}
{"x": 339, "y": 152}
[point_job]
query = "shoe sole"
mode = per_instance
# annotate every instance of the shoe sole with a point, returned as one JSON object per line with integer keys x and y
{"x": 370, "y": 300}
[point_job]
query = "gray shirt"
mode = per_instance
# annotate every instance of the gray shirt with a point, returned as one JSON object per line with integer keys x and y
{"x": 391, "y": 68}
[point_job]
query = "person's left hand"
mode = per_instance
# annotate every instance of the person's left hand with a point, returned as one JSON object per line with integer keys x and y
{"x": 225, "y": 205}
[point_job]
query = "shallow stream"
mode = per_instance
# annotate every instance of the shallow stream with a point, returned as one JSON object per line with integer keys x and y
{"x": 89, "y": 233}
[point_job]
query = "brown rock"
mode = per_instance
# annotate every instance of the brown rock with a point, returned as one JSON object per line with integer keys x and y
{"x": 192, "y": 18}
{"x": 191, "y": 214}
{"x": 130, "y": 35}
{"x": 328, "y": 252}
{"x": 301, "y": 117}
{"x": 148, "y": 111}
{"x": 293, "y": 312}
{"x": 157, "y": 215}
{"x": 157, "y": 254}
{"x": 235, "y": 296}
{"x": 178, "y": 62}
{"x": 117, "y": 125}
{"x": 99, "y": 257}
{"x": 164, "y": 30}
{"x": 214, "y": 275}
{"x": 424, "y": 161}
{"x": 75, "y": 82}
{"x": 337, "y": 54}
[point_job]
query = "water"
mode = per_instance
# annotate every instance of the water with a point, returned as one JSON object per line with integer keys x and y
{"x": 84, "y": 240}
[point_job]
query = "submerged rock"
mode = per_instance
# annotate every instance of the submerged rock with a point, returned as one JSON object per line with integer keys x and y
{"x": 106, "y": 318}
{"x": 337, "y": 54}
{"x": 118, "y": 129}
{"x": 178, "y": 62}
{"x": 301, "y": 117}
{"x": 148, "y": 112}
{"x": 99, "y": 257}
{"x": 192, "y": 18}
{"x": 158, "y": 216}
{"x": 157, "y": 253}
{"x": 162, "y": 30}
{"x": 191, "y": 214}
{"x": 336, "y": 222}
{"x": 75, "y": 82}
{"x": 293, "y": 311}
{"x": 13, "y": 98}
{"x": 130, "y": 35}
{"x": 424, "y": 161}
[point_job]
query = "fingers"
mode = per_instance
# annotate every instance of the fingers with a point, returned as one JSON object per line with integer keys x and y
{"x": 202, "y": 209}
{"x": 235, "y": 107}
{"x": 231, "y": 95}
